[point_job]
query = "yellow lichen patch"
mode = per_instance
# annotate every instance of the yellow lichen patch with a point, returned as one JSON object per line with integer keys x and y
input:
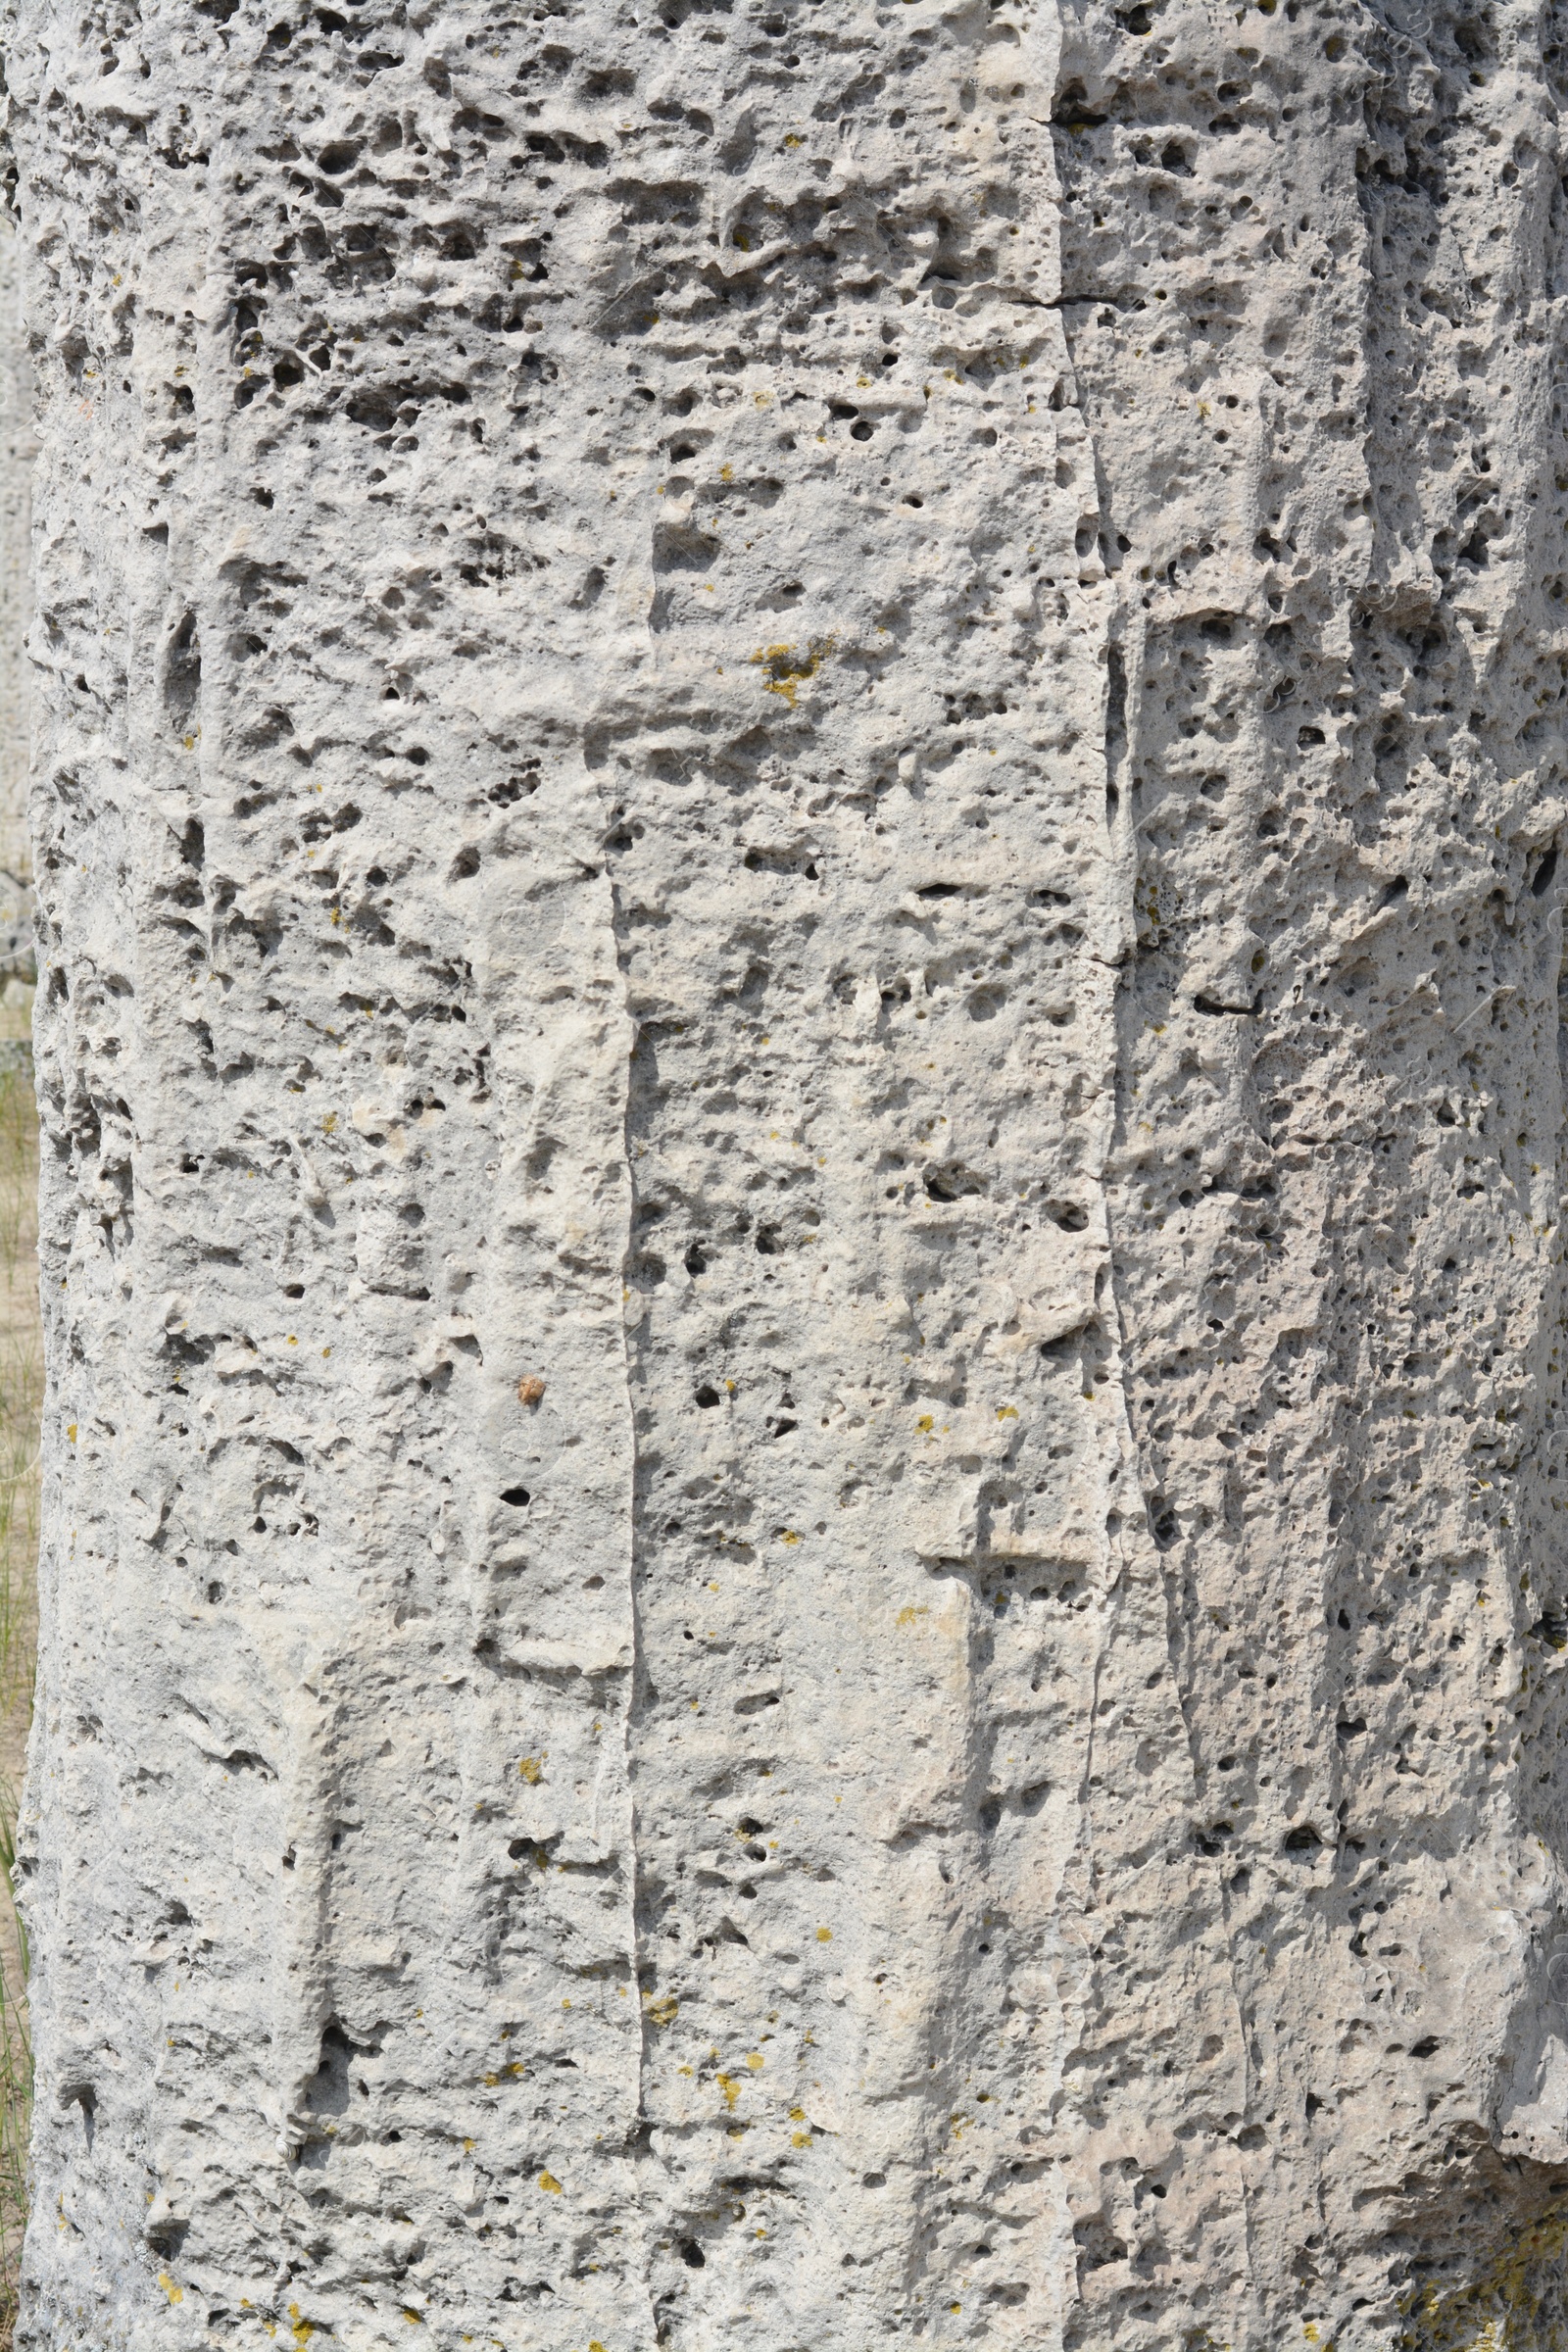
{"x": 176, "y": 2295}
{"x": 529, "y": 1768}
{"x": 824, "y": 1935}
{"x": 1504, "y": 2307}
{"x": 300, "y": 2329}
{"x": 907, "y": 1616}
{"x": 787, "y": 668}
{"x": 550, "y": 2184}
{"x": 755, "y": 2061}
{"x": 664, "y": 2010}
{"x": 731, "y": 2089}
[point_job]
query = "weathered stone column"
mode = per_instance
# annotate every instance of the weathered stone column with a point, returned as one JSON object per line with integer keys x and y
{"x": 797, "y": 804}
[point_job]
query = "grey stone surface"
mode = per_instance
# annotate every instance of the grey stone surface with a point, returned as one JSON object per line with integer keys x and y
{"x": 17, "y": 451}
{"x": 796, "y": 799}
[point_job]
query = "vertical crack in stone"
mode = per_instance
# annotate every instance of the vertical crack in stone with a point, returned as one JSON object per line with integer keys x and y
{"x": 553, "y": 1551}
{"x": 1129, "y": 2187}
{"x": 657, "y": 2006}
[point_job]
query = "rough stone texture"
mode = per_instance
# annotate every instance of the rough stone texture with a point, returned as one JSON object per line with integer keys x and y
{"x": 17, "y": 451}
{"x": 797, "y": 806}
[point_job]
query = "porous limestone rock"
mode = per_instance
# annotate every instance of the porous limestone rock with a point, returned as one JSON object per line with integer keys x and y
{"x": 17, "y": 453}
{"x": 797, "y": 801}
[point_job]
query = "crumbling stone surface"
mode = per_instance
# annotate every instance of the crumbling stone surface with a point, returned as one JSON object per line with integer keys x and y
{"x": 797, "y": 801}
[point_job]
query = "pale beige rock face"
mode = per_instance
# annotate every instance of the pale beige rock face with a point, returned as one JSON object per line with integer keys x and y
{"x": 797, "y": 801}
